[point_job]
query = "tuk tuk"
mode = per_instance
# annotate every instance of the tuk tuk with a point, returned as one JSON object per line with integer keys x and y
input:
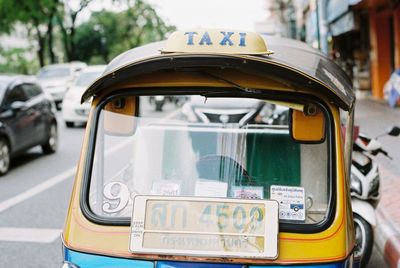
{"x": 215, "y": 183}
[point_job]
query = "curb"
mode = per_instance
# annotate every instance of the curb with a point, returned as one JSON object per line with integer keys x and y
{"x": 387, "y": 239}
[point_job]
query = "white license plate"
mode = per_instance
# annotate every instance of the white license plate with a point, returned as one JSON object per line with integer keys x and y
{"x": 205, "y": 227}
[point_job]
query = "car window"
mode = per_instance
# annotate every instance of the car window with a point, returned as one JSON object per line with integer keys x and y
{"x": 16, "y": 94}
{"x": 31, "y": 90}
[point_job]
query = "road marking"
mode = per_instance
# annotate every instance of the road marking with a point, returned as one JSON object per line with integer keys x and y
{"x": 56, "y": 179}
{"x": 29, "y": 235}
{"x": 37, "y": 189}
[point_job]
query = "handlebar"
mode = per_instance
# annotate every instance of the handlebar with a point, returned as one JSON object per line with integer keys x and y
{"x": 382, "y": 152}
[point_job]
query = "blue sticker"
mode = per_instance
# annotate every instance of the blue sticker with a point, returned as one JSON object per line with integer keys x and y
{"x": 296, "y": 207}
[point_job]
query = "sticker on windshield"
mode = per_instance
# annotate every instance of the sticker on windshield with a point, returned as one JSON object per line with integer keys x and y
{"x": 248, "y": 192}
{"x": 211, "y": 188}
{"x": 291, "y": 202}
{"x": 166, "y": 188}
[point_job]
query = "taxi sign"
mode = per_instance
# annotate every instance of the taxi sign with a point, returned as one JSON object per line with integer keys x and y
{"x": 209, "y": 227}
{"x": 216, "y": 41}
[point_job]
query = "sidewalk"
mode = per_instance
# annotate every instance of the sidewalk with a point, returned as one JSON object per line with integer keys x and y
{"x": 374, "y": 118}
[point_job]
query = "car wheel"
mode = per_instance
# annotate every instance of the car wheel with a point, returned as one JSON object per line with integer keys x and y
{"x": 364, "y": 240}
{"x": 52, "y": 141}
{"x": 69, "y": 124}
{"x": 4, "y": 157}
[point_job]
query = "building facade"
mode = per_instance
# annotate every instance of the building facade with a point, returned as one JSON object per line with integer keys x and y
{"x": 363, "y": 36}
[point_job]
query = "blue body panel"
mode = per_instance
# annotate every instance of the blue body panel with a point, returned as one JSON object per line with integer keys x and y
{"x": 84, "y": 260}
{"x": 175, "y": 264}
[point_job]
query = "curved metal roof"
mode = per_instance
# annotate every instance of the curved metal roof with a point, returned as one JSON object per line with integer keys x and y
{"x": 292, "y": 60}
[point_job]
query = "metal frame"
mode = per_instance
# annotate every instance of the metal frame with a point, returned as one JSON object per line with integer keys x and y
{"x": 138, "y": 228}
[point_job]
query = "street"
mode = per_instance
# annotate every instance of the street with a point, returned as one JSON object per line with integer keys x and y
{"x": 34, "y": 199}
{"x": 37, "y": 214}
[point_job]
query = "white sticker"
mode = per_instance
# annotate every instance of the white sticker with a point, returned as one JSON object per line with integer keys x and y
{"x": 211, "y": 188}
{"x": 166, "y": 188}
{"x": 248, "y": 192}
{"x": 291, "y": 202}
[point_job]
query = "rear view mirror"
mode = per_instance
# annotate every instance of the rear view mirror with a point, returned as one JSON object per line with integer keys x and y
{"x": 394, "y": 131}
{"x": 119, "y": 116}
{"x": 307, "y": 126}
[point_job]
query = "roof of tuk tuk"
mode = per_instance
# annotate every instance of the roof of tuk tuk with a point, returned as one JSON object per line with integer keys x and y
{"x": 291, "y": 60}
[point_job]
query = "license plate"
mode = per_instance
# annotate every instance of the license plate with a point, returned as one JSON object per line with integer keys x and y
{"x": 205, "y": 227}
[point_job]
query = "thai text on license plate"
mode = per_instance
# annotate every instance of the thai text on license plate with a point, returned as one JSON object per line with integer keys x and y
{"x": 204, "y": 226}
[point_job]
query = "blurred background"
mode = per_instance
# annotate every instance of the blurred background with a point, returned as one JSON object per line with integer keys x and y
{"x": 356, "y": 33}
{"x": 62, "y": 46}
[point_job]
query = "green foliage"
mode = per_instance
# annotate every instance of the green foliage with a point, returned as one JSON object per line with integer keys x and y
{"x": 17, "y": 60}
{"x": 36, "y": 15}
{"x": 32, "y": 12}
{"x": 108, "y": 34}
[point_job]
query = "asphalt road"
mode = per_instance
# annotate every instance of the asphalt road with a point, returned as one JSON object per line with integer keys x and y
{"x": 31, "y": 218}
{"x": 34, "y": 198}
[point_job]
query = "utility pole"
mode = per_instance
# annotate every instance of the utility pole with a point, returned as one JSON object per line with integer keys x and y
{"x": 318, "y": 30}
{"x": 322, "y": 25}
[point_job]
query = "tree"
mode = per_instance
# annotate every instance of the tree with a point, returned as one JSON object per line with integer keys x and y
{"x": 41, "y": 17}
{"x": 66, "y": 19}
{"x": 16, "y": 60}
{"x": 107, "y": 33}
{"x": 36, "y": 15}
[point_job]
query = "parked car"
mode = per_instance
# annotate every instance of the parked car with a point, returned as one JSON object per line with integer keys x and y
{"x": 73, "y": 111}
{"x": 223, "y": 110}
{"x": 27, "y": 118}
{"x": 56, "y": 78}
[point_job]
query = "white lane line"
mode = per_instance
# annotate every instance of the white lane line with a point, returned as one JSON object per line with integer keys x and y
{"x": 56, "y": 179}
{"x": 36, "y": 189}
{"x": 29, "y": 235}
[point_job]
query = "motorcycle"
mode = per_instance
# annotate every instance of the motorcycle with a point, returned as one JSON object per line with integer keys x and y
{"x": 364, "y": 189}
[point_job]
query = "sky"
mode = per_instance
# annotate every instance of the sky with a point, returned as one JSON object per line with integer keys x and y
{"x": 232, "y": 14}
{"x": 189, "y": 14}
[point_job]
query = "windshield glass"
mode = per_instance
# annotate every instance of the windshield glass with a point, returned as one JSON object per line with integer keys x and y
{"x": 54, "y": 72}
{"x": 242, "y": 149}
{"x": 86, "y": 78}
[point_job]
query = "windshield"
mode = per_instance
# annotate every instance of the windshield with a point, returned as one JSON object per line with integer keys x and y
{"x": 241, "y": 151}
{"x": 54, "y": 72}
{"x": 86, "y": 78}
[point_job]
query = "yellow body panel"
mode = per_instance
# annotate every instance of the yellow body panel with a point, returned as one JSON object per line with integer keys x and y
{"x": 333, "y": 244}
